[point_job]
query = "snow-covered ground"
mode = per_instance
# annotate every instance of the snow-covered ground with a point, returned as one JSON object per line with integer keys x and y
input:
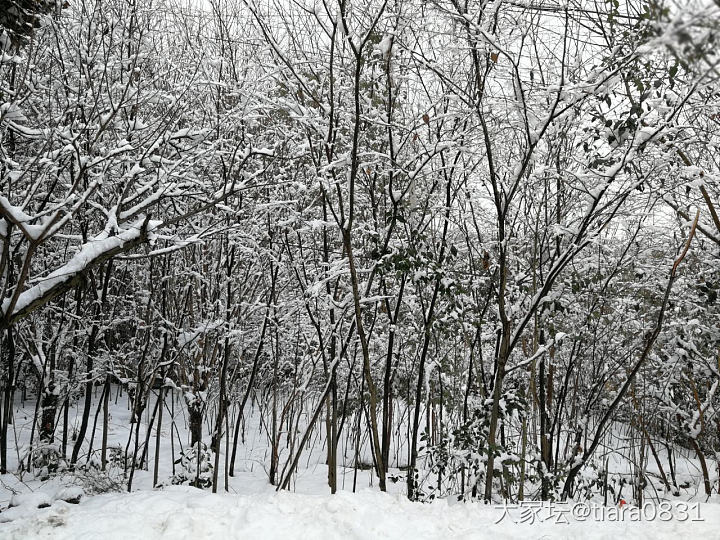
{"x": 184, "y": 512}
{"x": 37, "y": 506}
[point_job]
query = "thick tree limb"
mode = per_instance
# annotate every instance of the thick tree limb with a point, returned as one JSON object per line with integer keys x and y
{"x": 63, "y": 279}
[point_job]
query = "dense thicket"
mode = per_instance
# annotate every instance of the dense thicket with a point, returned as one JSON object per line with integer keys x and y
{"x": 480, "y": 234}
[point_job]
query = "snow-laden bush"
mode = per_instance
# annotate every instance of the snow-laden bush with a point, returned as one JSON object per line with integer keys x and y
{"x": 464, "y": 451}
{"x": 93, "y": 480}
{"x": 195, "y": 467}
{"x": 46, "y": 460}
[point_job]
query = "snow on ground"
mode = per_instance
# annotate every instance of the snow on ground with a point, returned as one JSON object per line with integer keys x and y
{"x": 35, "y": 507}
{"x": 184, "y": 512}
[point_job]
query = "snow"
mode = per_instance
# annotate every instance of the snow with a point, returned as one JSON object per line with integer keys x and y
{"x": 11, "y": 112}
{"x": 185, "y": 512}
{"x": 306, "y": 303}
{"x": 9, "y": 58}
{"x": 253, "y": 509}
{"x": 385, "y": 45}
{"x": 15, "y": 212}
{"x": 25, "y": 505}
{"x": 87, "y": 254}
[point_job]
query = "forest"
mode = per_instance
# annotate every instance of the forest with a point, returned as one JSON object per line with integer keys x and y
{"x": 458, "y": 250}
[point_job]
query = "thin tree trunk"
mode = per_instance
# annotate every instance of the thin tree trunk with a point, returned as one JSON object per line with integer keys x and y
{"x": 106, "y": 422}
{"x": 246, "y": 395}
{"x": 88, "y": 394}
{"x": 95, "y": 419}
{"x": 7, "y": 399}
{"x": 158, "y": 434}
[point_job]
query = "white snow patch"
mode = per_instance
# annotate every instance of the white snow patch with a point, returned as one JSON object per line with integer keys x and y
{"x": 184, "y": 512}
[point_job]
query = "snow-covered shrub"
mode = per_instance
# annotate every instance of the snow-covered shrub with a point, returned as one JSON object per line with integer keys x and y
{"x": 46, "y": 460}
{"x": 195, "y": 467}
{"x": 93, "y": 480}
{"x": 588, "y": 483}
{"x": 464, "y": 450}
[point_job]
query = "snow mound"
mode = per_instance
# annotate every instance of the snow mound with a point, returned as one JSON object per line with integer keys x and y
{"x": 184, "y": 512}
{"x": 25, "y": 505}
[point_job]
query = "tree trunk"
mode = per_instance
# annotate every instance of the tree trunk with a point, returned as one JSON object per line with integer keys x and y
{"x": 495, "y": 410}
{"x": 106, "y": 426}
{"x": 88, "y": 395}
{"x": 6, "y": 417}
{"x": 195, "y": 423}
